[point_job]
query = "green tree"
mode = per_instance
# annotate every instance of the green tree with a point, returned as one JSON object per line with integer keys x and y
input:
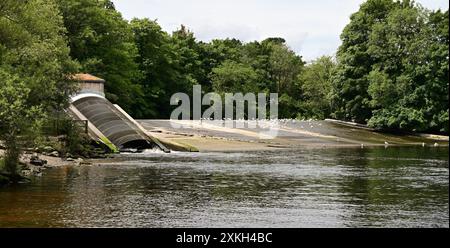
{"x": 214, "y": 53}
{"x": 257, "y": 55}
{"x": 409, "y": 85}
{"x": 438, "y": 70}
{"x": 16, "y": 118}
{"x": 233, "y": 77}
{"x": 393, "y": 67}
{"x": 285, "y": 66}
{"x": 35, "y": 69}
{"x": 315, "y": 82}
{"x": 188, "y": 60}
{"x": 33, "y": 46}
{"x": 276, "y": 64}
{"x": 102, "y": 41}
{"x": 157, "y": 60}
{"x": 283, "y": 70}
{"x": 350, "y": 98}
{"x": 278, "y": 68}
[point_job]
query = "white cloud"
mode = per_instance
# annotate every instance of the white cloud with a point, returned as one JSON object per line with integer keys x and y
{"x": 311, "y": 28}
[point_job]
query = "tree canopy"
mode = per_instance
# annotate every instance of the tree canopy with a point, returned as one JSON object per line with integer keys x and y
{"x": 102, "y": 42}
{"x": 391, "y": 71}
{"x": 393, "y": 68}
{"x": 35, "y": 69}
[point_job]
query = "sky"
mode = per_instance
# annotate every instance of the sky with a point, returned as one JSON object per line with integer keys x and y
{"x": 310, "y": 27}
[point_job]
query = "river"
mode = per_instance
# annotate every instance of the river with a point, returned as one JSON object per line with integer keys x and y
{"x": 330, "y": 187}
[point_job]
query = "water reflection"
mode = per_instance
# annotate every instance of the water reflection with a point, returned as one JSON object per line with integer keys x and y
{"x": 397, "y": 187}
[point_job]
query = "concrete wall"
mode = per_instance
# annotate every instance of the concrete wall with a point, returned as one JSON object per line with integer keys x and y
{"x": 92, "y": 87}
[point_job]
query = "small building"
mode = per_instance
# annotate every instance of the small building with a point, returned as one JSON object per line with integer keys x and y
{"x": 90, "y": 84}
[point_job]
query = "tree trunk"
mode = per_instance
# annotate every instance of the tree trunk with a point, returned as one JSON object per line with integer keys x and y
{"x": 12, "y": 155}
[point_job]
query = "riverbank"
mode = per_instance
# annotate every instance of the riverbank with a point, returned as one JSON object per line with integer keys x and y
{"x": 209, "y": 137}
{"x": 28, "y": 169}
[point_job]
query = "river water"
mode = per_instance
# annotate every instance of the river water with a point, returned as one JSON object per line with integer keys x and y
{"x": 332, "y": 187}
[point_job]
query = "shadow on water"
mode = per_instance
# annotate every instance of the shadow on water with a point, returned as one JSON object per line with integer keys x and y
{"x": 390, "y": 187}
{"x": 342, "y": 187}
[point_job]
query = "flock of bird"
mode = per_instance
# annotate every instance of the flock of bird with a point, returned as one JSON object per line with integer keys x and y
{"x": 386, "y": 144}
{"x": 283, "y": 121}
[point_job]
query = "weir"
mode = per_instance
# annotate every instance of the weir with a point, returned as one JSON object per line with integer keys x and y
{"x": 108, "y": 123}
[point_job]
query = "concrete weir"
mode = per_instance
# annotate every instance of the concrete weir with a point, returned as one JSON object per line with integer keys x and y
{"x": 108, "y": 123}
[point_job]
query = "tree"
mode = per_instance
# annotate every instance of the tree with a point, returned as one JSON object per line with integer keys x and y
{"x": 350, "y": 98}
{"x": 283, "y": 69}
{"x": 33, "y": 46}
{"x": 438, "y": 70}
{"x": 409, "y": 87}
{"x": 393, "y": 68}
{"x": 188, "y": 60}
{"x": 102, "y": 41}
{"x": 157, "y": 60}
{"x": 214, "y": 53}
{"x": 35, "y": 69}
{"x": 16, "y": 118}
{"x": 257, "y": 55}
{"x": 276, "y": 64}
{"x": 234, "y": 77}
{"x": 285, "y": 66}
{"x": 315, "y": 82}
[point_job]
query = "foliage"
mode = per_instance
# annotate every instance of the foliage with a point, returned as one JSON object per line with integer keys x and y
{"x": 156, "y": 59}
{"x": 390, "y": 72}
{"x": 231, "y": 76}
{"x": 34, "y": 71}
{"x": 75, "y": 140}
{"x": 284, "y": 67}
{"x": 349, "y": 96}
{"x": 315, "y": 82}
{"x": 102, "y": 41}
{"x": 33, "y": 46}
{"x": 16, "y": 117}
{"x": 393, "y": 68}
{"x": 408, "y": 88}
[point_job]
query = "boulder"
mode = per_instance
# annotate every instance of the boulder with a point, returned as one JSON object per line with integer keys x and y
{"x": 48, "y": 149}
{"x": 27, "y": 172}
{"x": 35, "y": 160}
{"x": 54, "y": 154}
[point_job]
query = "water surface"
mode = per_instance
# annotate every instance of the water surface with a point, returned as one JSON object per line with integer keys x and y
{"x": 338, "y": 187}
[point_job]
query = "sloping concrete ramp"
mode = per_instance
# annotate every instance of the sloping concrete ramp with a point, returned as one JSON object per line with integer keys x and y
{"x": 108, "y": 123}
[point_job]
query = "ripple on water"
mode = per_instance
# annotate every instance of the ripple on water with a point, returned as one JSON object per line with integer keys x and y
{"x": 293, "y": 188}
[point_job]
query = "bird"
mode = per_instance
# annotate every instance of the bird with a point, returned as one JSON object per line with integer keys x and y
{"x": 423, "y": 144}
{"x": 436, "y": 144}
{"x": 362, "y": 145}
{"x": 385, "y": 143}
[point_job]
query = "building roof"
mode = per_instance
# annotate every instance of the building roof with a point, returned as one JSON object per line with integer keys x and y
{"x": 88, "y": 78}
